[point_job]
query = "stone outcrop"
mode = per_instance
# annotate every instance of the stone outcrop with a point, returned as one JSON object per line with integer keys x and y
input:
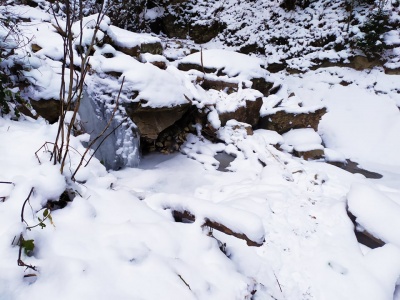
{"x": 204, "y": 33}
{"x": 282, "y": 121}
{"x": 175, "y": 27}
{"x": 262, "y": 85}
{"x": 184, "y": 66}
{"x": 218, "y": 84}
{"x": 153, "y": 48}
{"x": 151, "y": 121}
{"x": 249, "y": 114}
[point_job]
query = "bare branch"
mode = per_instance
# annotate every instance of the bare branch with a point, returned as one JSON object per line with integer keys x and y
{"x": 23, "y": 207}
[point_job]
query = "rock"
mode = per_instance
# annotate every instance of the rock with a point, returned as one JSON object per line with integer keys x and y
{"x": 48, "y": 109}
{"x": 276, "y": 67}
{"x": 153, "y": 48}
{"x": 218, "y": 84}
{"x": 159, "y": 64}
{"x": 183, "y": 66}
{"x": 204, "y": 33}
{"x": 262, "y": 85}
{"x": 310, "y": 155}
{"x": 390, "y": 71}
{"x": 283, "y": 121}
{"x": 252, "y": 48}
{"x": 359, "y": 62}
{"x": 35, "y": 47}
{"x": 132, "y": 43}
{"x": 173, "y": 28}
{"x": 152, "y": 121}
{"x": 364, "y": 237}
{"x": 249, "y": 114}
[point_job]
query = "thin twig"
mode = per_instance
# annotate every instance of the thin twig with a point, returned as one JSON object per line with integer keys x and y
{"x": 23, "y": 207}
{"x": 184, "y": 281}
{"x": 276, "y": 278}
{"x": 45, "y": 148}
{"x": 201, "y": 61}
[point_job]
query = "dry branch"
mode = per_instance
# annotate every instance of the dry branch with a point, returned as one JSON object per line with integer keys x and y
{"x": 23, "y": 206}
{"x": 180, "y": 215}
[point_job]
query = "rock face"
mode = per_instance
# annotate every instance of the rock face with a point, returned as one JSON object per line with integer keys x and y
{"x": 249, "y": 114}
{"x": 151, "y": 121}
{"x": 176, "y": 27}
{"x": 48, "y": 109}
{"x": 204, "y": 33}
{"x": 283, "y": 121}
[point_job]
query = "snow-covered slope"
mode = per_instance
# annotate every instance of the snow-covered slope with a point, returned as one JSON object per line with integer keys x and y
{"x": 273, "y": 226}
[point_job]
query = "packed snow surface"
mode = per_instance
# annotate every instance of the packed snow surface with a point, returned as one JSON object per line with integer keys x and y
{"x": 117, "y": 239}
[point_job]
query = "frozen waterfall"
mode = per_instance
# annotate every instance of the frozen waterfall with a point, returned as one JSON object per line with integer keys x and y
{"x": 121, "y": 147}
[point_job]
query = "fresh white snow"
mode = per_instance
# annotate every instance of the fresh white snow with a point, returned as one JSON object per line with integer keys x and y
{"x": 118, "y": 240}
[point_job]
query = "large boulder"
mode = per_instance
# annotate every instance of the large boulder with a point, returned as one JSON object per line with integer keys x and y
{"x": 132, "y": 43}
{"x": 282, "y": 121}
{"x": 152, "y": 121}
{"x": 250, "y": 113}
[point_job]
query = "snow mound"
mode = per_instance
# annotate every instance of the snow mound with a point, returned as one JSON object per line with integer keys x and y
{"x": 230, "y": 63}
{"x": 155, "y": 87}
{"x": 302, "y": 140}
{"x": 127, "y": 39}
{"x": 374, "y": 211}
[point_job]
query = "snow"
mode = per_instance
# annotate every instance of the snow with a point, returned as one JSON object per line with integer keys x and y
{"x": 127, "y": 39}
{"x": 230, "y": 63}
{"x": 230, "y": 103}
{"x": 156, "y": 87}
{"x": 126, "y": 235}
{"x": 118, "y": 240}
{"x": 375, "y": 212}
{"x": 301, "y": 136}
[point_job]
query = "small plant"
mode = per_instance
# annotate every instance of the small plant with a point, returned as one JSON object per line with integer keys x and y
{"x": 10, "y": 101}
{"x": 372, "y": 43}
{"x": 29, "y": 245}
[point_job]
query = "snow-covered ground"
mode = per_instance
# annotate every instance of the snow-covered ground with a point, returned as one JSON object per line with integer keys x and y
{"x": 118, "y": 239}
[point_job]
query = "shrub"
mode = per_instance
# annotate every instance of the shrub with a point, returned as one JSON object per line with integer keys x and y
{"x": 372, "y": 43}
